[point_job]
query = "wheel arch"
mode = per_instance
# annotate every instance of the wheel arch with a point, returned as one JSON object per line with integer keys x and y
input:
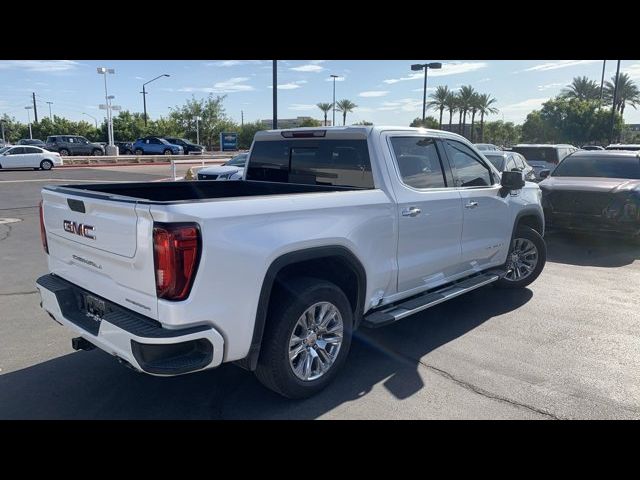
{"x": 530, "y": 217}
{"x": 295, "y": 263}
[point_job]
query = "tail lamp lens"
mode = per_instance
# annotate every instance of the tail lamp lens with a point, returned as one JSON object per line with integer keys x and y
{"x": 176, "y": 254}
{"x": 43, "y": 232}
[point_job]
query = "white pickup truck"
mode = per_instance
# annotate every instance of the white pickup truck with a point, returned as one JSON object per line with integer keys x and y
{"x": 329, "y": 230}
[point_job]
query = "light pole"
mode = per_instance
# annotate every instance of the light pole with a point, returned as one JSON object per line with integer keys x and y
{"x": 29, "y": 117}
{"x": 198, "y": 130}
{"x": 94, "y": 119}
{"x": 615, "y": 100}
{"x": 274, "y": 122}
{"x": 333, "y": 122}
{"x": 144, "y": 94}
{"x": 426, "y": 66}
{"x": 104, "y": 71}
{"x": 50, "y": 117}
{"x": 604, "y": 64}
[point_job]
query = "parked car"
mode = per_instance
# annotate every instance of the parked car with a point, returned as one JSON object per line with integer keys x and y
{"x": 487, "y": 147}
{"x": 32, "y": 141}
{"x": 543, "y": 156}
{"x": 624, "y": 146}
{"x": 332, "y": 229}
{"x": 231, "y": 170}
{"x": 511, "y": 162}
{"x": 155, "y": 146}
{"x": 29, "y": 156}
{"x": 188, "y": 147}
{"x": 592, "y": 147}
{"x": 73, "y": 145}
{"x": 124, "y": 148}
{"x": 594, "y": 192}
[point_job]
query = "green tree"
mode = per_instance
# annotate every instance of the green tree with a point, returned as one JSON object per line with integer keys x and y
{"x": 247, "y": 132}
{"x": 212, "y": 114}
{"x": 128, "y": 127}
{"x": 345, "y": 106}
{"x": 325, "y": 107}
{"x": 581, "y": 88}
{"x": 364, "y": 122}
{"x": 485, "y": 102}
{"x": 465, "y": 97}
{"x": 439, "y": 101}
{"x": 627, "y": 93}
{"x": 502, "y": 133}
{"x": 310, "y": 122}
{"x": 429, "y": 122}
{"x": 451, "y": 104}
{"x": 13, "y": 129}
{"x": 474, "y": 106}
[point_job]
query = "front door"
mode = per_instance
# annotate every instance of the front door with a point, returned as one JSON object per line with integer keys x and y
{"x": 429, "y": 213}
{"x": 486, "y": 230}
{"x": 14, "y": 158}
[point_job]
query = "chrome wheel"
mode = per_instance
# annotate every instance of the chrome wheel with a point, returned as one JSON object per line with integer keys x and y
{"x": 315, "y": 341}
{"x": 522, "y": 260}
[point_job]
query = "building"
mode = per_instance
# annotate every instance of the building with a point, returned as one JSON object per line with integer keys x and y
{"x": 291, "y": 122}
{"x": 632, "y": 127}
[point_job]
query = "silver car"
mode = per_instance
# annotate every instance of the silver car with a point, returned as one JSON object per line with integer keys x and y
{"x": 511, "y": 161}
{"x": 231, "y": 170}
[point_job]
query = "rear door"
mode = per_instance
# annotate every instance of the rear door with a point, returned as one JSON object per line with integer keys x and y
{"x": 429, "y": 212}
{"x": 486, "y": 231}
{"x": 33, "y": 157}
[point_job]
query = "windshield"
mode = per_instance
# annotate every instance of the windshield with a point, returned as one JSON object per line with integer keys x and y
{"x": 496, "y": 160}
{"x": 604, "y": 167}
{"x": 4, "y": 149}
{"x": 538, "y": 154}
{"x": 237, "y": 161}
{"x": 485, "y": 147}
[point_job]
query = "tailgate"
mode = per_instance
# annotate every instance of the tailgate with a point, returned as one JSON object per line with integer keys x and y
{"x": 104, "y": 246}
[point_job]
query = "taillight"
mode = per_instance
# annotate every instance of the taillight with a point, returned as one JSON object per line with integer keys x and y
{"x": 43, "y": 232}
{"x": 176, "y": 253}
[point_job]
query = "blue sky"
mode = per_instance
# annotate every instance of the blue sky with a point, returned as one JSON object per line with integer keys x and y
{"x": 386, "y": 91}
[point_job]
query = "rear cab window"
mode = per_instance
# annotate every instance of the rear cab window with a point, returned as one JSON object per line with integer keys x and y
{"x": 340, "y": 163}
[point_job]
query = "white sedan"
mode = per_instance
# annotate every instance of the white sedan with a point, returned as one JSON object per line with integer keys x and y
{"x": 232, "y": 170}
{"x": 28, "y": 156}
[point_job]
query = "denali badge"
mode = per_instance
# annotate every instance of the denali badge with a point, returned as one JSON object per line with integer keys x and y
{"x": 79, "y": 229}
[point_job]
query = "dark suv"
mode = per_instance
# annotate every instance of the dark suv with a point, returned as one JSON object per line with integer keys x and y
{"x": 73, "y": 145}
{"x": 187, "y": 146}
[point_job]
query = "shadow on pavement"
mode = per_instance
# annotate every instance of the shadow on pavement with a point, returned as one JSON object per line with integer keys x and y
{"x": 587, "y": 250}
{"x": 92, "y": 385}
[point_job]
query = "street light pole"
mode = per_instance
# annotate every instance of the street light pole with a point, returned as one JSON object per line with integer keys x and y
{"x": 274, "y": 123}
{"x": 198, "y": 130}
{"x": 426, "y": 66}
{"x": 29, "y": 117}
{"x": 604, "y": 64}
{"x": 50, "y": 116}
{"x": 104, "y": 71}
{"x": 333, "y": 122}
{"x": 144, "y": 94}
{"x": 94, "y": 119}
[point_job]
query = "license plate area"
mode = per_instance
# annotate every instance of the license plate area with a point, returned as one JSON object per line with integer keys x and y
{"x": 94, "y": 307}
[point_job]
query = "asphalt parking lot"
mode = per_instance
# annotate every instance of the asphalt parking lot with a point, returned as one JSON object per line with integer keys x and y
{"x": 566, "y": 347}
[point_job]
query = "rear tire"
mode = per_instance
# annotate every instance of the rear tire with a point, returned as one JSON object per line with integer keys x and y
{"x": 46, "y": 164}
{"x": 302, "y": 300}
{"x": 64, "y": 152}
{"x": 139, "y": 151}
{"x": 96, "y": 152}
{"x": 526, "y": 258}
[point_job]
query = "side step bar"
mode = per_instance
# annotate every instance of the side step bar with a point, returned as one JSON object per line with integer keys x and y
{"x": 380, "y": 318}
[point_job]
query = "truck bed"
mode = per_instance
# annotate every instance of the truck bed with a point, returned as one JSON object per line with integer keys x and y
{"x": 189, "y": 191}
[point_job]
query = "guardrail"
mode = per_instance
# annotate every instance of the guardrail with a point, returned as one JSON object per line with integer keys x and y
{"x": 115, "y": 160}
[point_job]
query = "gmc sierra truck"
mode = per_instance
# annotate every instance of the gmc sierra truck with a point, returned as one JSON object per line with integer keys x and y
{"x": 330, "y": 229}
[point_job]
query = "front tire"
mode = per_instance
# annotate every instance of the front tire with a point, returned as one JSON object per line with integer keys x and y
{"x": 167, "y": 152}
{"x": 139, "y": 152}
{"x": 307, "y": 339}
{"x": 46, "y": 164}
{"x": 526, "y": 259}
{"x": 97, "y": 152}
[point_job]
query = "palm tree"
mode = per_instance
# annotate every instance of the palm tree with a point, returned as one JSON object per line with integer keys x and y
{"x": 439, "y": 101}
{"x": 345, "y": 106}
{"x": 466, "y": 96}
{"x": 451, "y": 105}
{"x": 325, "y": 107}
{"x": 484, "y": 107}
{"x": 627, "y": 93}
{"x": 474, "y": 106}
{"x": 581, "y": 88}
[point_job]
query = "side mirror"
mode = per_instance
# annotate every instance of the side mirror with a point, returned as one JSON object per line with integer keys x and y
{"x": 544, "y": 173}
{"x": 511, "y": 181}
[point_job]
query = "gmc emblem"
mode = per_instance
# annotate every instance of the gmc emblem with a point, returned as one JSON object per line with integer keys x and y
{"x": 78, "y": 229}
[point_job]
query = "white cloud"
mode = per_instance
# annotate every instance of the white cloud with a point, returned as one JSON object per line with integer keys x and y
{"x": 447, "y": 69}
{"x": 138, "y": 78}
{"x": 231, "y": 85}
{"x": 339, "y": 79}
{"x": 524, "y": 105}
{"x": 543, "y": 67}
{"x": 302, "y": 106}
{"x": 309, "y": 67}
{"x": 39, "y": 65}
{"x": 633, "y": 71}
{"x": 403, "y": 105}
{"x": 290, "y": 85}
{"x": 374, "y": 93}
{"x": 429, "y": 89}
{"x": 231, "y": 63}
{"x": 483, "y": 80}
{"x": 549, "y": 86}
{"x": 316, "y": 62}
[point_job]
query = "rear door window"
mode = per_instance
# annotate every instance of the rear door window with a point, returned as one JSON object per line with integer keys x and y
{"x": 31, "y": 150}
{"x": 418, "y": 162}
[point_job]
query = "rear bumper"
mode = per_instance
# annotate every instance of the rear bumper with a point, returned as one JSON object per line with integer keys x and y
{"x": 139, "y": 341}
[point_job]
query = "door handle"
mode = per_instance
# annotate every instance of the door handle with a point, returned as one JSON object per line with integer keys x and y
{"x": 471, "y": 205}
{"x": 411, "y": 212}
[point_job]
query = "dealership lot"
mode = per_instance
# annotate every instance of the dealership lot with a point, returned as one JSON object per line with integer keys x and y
{"x": 567, "y": 347}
